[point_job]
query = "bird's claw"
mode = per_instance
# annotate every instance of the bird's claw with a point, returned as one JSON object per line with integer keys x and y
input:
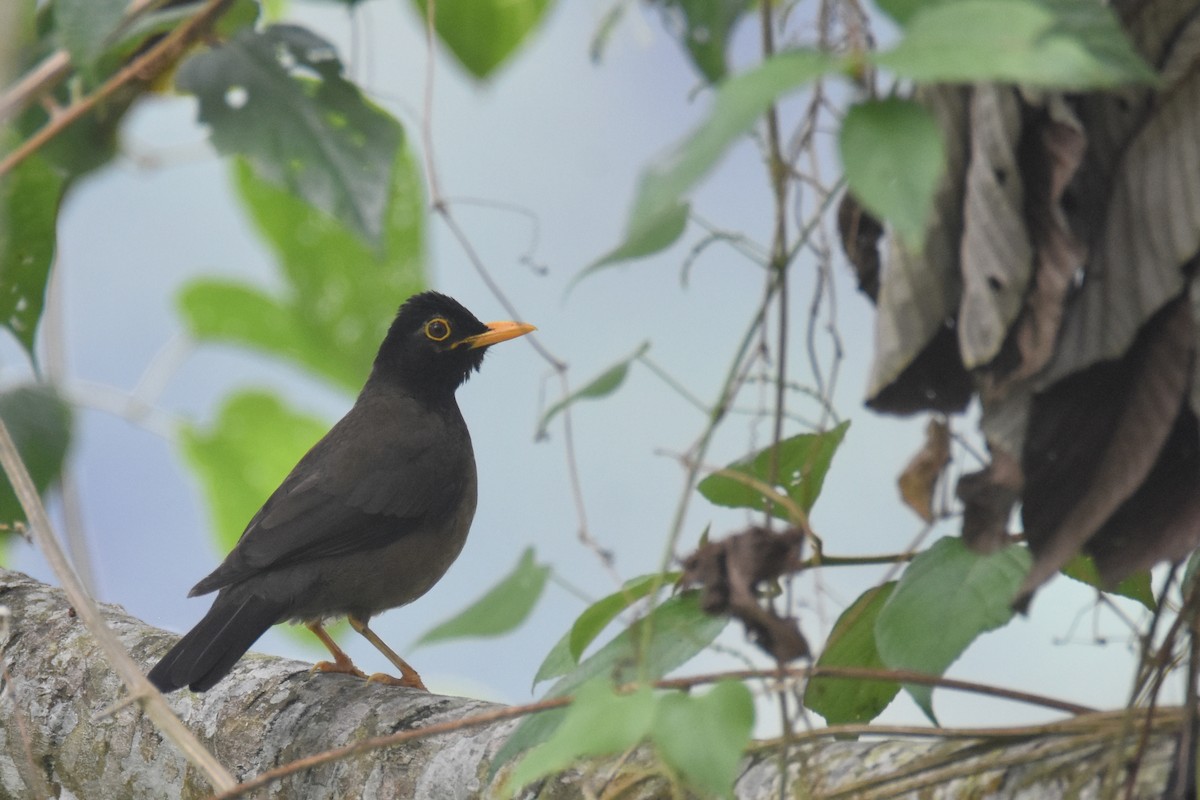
{"x": 409, "y": 682}
{"x": 333, "y": 666}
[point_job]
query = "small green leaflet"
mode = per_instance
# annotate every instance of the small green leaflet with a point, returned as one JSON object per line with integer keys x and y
{"x": 947, "y": 596}
{"x": 85, "y": 27}
{"x": 893, "y": 156}
{"x": 483, "y": 34}
{"x": 803, "y": 461}
{"x": 597, "y": 616}
{"x": 602, "y": 385}
{"x": 505, "y": 606}
{"x": 705, "y": 33}
{"x": 851, "y": 643}
{"x": 660, "y": 208}
{"x": 1135, "y": 587}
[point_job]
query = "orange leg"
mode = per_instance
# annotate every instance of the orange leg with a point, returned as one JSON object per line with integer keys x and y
{"x": 408, "y": 675}
{"x": 341, "y": 662}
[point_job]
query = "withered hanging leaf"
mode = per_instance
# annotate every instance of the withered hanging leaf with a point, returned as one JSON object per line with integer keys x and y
{"x": 988, "y": 497}
{"x": 730, "y": 571}
{"x": 917, "y": 365}
{"x": 1051, "y": 153}
{"x": 997, "y": 258}
{"x": 1151, "y": 230}
{"x": 860, "y": 234}
{"x": 919, "y": 479}
{"x": 1095, "y": 439}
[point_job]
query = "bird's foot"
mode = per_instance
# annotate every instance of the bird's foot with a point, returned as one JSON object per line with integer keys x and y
{"x": 412, "y": 681}
{"x": 347, "y": 667}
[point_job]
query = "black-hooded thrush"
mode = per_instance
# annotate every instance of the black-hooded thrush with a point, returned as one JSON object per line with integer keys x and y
{"x": 371, "y": 517}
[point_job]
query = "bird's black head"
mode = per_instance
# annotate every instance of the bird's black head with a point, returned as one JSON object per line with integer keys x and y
{"x": 435, "y": 344}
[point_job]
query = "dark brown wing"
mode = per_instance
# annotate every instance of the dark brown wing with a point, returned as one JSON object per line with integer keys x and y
{"x": 384, "y": 470}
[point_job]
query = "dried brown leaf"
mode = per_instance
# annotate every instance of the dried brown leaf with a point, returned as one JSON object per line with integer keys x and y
{"x": 919, "y": 479}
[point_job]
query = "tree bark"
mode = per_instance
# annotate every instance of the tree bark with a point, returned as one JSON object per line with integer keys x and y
{"x": 55, "y": 739}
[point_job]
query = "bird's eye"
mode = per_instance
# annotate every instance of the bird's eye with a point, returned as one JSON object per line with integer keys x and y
{"x": 437, "y": 329}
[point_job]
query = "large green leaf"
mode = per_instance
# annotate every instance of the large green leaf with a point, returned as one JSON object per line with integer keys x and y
{"x": 598, "y": 722}
{"x": 1063, "y": 44}
{"x": 505, "y": 606}
{"x": 946, "y": 597}
{"x": 85, "y": 27}
{"x": 244, "y": 455}
{"x": 482, "y": 34}
{"x": 341, "y": 295}
{"x": 703, "y": 737}
{"x": 277, "y": 96}
{"x": 659, "y": 209}
{"x": 40, "y": 424}
{"x": 29, "y": 198}
{"x": 801, "y": 464}
{"x": 602, "y": 385}
{"x": 680, "y": 630}
{"x": 893, "y": 155}
{"x": 851, "y": 643}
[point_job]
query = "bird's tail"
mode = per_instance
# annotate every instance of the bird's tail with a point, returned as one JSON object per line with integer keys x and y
{"x": 208, "y": 652}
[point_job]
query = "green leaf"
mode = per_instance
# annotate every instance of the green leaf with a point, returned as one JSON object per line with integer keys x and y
{"x": 851, "y": 643}
{"x": 739, "y": 101}
{"x": 904, "y": 10}
{"x": 245, "y": 454}
{"x": 483, "y": 34}
{"x": 29, "y": 199}
{"x": 803, "y": 461}
{"x": 327, "y": 144}
{"x": 596, "y": 617}
{"x": 85, "y": 27}
{"x": 341, "y": 295}
{"x": 1061, "y": 44}
{"x": 946, "y": 597}
{"x": 558, "y": 661}
{"x": 601, "y": 386}
{"x": 893, "y": 155}
{"x": 40, "y": 424}
{"x": 501, "y": 609}
{"x": 599, "y": 722}
{"x": 680, "y": 630}
{"x": 646, "y": 236}
{"x": 707, "y": 25}
{"x": 703, "y": 738}
{"x": 1135, "y": 587}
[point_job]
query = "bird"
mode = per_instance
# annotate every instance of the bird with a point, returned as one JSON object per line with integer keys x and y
{"x": 369, "y": 519}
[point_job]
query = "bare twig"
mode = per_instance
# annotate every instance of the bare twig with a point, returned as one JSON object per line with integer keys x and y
{"x": 157, "y": 59}
{"x": 153, "y": 703}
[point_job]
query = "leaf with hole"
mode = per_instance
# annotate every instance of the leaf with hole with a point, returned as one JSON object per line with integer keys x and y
{"x": 278, "y": 97}
{"x": 505, "y": 606}
{"x": 801, "y": 465}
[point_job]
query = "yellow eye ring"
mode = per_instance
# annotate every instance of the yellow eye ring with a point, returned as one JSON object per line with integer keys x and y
{"x": 437, "y": 329}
